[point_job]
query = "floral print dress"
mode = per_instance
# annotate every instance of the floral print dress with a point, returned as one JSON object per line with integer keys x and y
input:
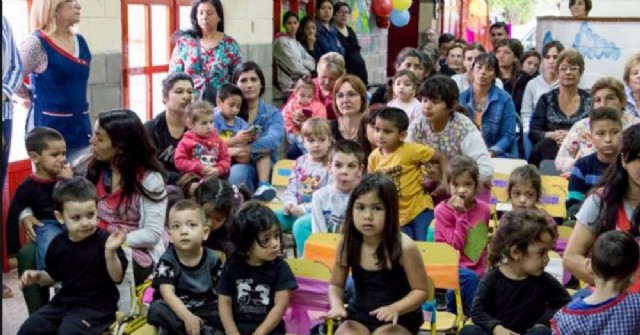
{"x": 216, "y": 66}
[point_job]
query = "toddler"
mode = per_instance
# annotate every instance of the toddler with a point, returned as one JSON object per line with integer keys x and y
{"x": 300, "y": 108}
{"x": 405, "y": 87}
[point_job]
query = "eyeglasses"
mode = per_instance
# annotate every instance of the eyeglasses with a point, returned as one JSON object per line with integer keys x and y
{"x": 573, "y": 68}
{"x": 349, "y": 95}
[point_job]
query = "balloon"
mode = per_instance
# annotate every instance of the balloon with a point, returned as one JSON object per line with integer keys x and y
{"x": 401, "y": 5}
{"x": 382, "y": 7}
{"x": 399, "y": 19}
{"x": 382, "y": 22}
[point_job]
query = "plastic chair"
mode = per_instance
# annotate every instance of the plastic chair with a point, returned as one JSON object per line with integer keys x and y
{"x": 441, "y": 262}
{"x": 564, "y": 232}
{"x": 507, "y": 165}
{"x": 322, "y": 247}
{"x": 281, "y": 173}
{"x": 548, "y": 168}
{"x": 554, "y": 196}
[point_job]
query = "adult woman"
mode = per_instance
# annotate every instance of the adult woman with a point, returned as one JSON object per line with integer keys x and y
{"x": 331, "y": 66}
{"x": 491, "y": 108}
{"x": 167, "y": 128}
{"x": 350, "y": 101}
{"x": 606, "y": 92}
{"x": 453, "y": 64}
{"x": 306, "y": 35}
{"x": 615, "y": 204}
{"x": 559, "y": 109}
{"x": 580, "y": 8}
{"x": 205, "y": 52}
{"x": 538, "y": 86}
{"x": 57, "y": 61}
{"x": 470, "y": 52}
{"x": 326, "y": 34}
{"x": 349, "y": 41}
{"x": 291, "y": 58}
{"x": 407, "y": 59}
{"x": 249, "y": 78}
{"x": 632, "y": 79}
{"x": 508, "y": 53}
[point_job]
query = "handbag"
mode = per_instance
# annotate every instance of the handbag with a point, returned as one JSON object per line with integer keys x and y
{"x": 208, "y": 92}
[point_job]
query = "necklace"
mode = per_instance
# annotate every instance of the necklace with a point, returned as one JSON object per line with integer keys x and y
{"x": 348, "y": 134}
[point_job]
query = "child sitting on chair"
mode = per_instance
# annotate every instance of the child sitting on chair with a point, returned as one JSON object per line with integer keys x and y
{"x": 185, "y": 278}
{"x": 86, "y": 259}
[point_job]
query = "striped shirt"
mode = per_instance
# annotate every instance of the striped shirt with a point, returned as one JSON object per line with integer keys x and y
{"x": 11, "y": 68}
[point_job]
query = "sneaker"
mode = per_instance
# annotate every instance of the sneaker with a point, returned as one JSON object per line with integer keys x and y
{"x": 265, "y": 193}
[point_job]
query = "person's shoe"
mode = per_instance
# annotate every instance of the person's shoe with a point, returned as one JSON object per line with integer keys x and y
{"x": 265, "y": 193}
{"x": 6, "y": 292}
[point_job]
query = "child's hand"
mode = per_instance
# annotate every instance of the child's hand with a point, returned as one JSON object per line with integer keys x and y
{"x": 433, "y": 171}
{"x": 297, "y": 211}
{"x": 30, "y": 277}
{"x": 115, "y": 240}
{"x": 456, "y": 203}
{"x": 66, "y": 172}
{"x": 207, "y": 170}
{"x": 192, "y": 324}
{"x": 287, "y": 209}
{"x": 298, "y": 117}
{"x": 336, "y": 313}
{"x": 500, "y": 330}
{"x": 386, "y": 314}
{"x": 214, "y": 173}
{"x": 244, "y": 137}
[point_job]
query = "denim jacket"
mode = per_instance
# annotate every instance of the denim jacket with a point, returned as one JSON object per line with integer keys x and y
{"x": 327, "y": 40}
{"x": 498, "y": 121}
{"x": 271, "y": 125}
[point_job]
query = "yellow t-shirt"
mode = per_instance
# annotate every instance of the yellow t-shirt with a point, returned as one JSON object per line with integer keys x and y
{"x": 404, "y": 168}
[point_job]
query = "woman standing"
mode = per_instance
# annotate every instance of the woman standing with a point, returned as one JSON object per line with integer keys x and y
{"x": 57, "y": 61}
{"x": 167, "y": 128}
{"x": 632, "y": 79}
{"x": 353, "y": 59}
{"x": 291, "y": 59}
{"x": 306, "y": 35}
{"x": 326, "y": 35}
{"x": 580, "y": 8}
{"x": 559, "y": 109}
{"x": 205, "y": 52}
{"x": 350, "y": 101}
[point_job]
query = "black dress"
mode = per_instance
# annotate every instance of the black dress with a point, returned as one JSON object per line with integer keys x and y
{"x": 354, "y": 62}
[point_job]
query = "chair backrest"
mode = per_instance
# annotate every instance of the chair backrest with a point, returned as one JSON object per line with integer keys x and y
{"x": 499, "y": 188}
{"x": 281, "y": 172}
{"x": 506, "y": 165}
{"x": 441, "y": 262}
{"x": 564, "y": 232}
{"x": 554, "y": 195}
{"x": 311, "y": 298}
{"x": 309, "y": 269}
{"x": 322, "y": 247}
{"x": 548, "y": 168}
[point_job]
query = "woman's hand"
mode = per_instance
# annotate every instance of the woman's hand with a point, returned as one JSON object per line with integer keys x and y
{"x": 337, "y": 313}
{"x": 386, "y": 314}
{"x": 30, "y": 277}
{"x": 500, "y": 330}
{"x": 560, "y": 135}
{"x": 28, "y": 223}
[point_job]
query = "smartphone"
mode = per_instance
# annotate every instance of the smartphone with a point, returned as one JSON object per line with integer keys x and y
{"x": 254, "y": 129}
{"x": 307, "y": 113}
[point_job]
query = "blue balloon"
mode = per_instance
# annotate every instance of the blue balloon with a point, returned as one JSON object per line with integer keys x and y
{"x": 399, "y": 19}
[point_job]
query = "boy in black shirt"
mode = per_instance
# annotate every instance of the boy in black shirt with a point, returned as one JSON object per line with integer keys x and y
{"x": 87, "y": 260}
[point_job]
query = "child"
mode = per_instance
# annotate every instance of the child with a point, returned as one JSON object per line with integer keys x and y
{"x": 256, "y": 283}
{"x": 605, "y": 125}
{"x": 463, "y": 223}
{"x": 405, "y": 86}
{"x": 329, "y": 203}
{"x": 366, "y": 134}
{"x": 201, "y": 150}
{"x": 308, "y": 174}
{"x": 47, "y": 151}
{"x": 86, "y": 259}
{"x": 300, "y": 108}
{"x": 403, "y": 162}
{"x": 186, "y": 276}
{"x": 610, "y": 309}
{"x": 516, "y": 296}
{"x": 226, "y": 120}
{"x": 219, "y": 201}
{"x": 525, "y": 190}
{"x": 389, "y": 275}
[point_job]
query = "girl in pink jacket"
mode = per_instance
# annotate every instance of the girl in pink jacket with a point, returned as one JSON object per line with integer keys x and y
{"x": 300, "y": 107}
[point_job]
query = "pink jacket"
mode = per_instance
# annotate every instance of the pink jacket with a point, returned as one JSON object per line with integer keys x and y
{"x": 317, "y": 110}
{"x": 193, "y": 152}
{"x": 327, "y": 101}
{"x": 452, "y": 228}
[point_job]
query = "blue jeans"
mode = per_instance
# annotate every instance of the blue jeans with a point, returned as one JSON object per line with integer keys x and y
{"x": 44, "y": 236}
{"x": 469, "y": 282}
{"x": 418, "y": 227}
{"x": 244, "y": 174}
{"x": 528, "y": 146}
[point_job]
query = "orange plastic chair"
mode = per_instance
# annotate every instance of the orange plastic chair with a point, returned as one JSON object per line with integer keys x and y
{"x": 322, "y": 247}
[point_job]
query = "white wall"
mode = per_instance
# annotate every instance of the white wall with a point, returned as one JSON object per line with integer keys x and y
{"x": 250, "y": 22}
{"x": 607, "y": 8}
{"x": 101, "y": 25}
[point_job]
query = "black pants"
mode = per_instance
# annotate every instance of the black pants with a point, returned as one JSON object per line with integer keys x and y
{"x": 545, "y": 149}
{"x": 477, "y": 330}
{"x": 68, "y": 320}
{"x": 160, "y": 314}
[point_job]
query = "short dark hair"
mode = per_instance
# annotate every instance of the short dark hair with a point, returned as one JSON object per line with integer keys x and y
{"x": 188, "y": 204}
{"x": 587, "y": 4}
{"x": 440, "y": 87}
{"x": 445, "y": 38}
{"x": 251, "y": 219}
{"x": 289, "y": 14}
{"x": 604, "y": 113}
{"x": 395, "y": 115}
{"x": 526, "y": 173}
{"x": 615, "y": 255}
{"x": 514, "y": 44}
{"x": 530, "y": 53}
{"x": 550, "y": 45}
{"x": 38, "y": 139}
{"x": 499, "y": 25}
{"x": 171, "y": 79}
{"x": 76, "y": 189}
{"x": 347, "y": 147}
{"x": 461, "y": 164}
{"x": 489, "y": 60}
{"x": 195, "y": 27}
{"x": 228, "y": 90}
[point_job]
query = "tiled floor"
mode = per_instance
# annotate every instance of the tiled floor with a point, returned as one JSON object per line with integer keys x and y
{"x": 14, "y": 310}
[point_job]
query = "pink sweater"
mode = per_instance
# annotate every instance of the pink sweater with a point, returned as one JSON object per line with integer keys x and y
{"x": 194, "y": 151}
{"x": 317, "y": 110}
{"x": 452, "y": 227}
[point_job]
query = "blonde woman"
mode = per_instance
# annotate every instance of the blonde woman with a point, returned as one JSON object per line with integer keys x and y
{"x": 57, "y": 61}
{"x": 632, "y": 80}
{"x": 331, "y": 66}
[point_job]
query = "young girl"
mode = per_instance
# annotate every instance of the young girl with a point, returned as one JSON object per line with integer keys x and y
{"x": 516, "y": 296}
{"x": 403, "y": 86}
{"x": 444, "y": 126}
{"x": 389, "y": 275}
{"x": 219, "y": 200}
{"x": 256, "y": 283}
{"x": 525, "y": 190}
{"x": 463, "y": 222}
{"x": 201, "y": 150}
{"x": 407, "y": 59}
{"x": 308, "y": 174}
{"x": 300, "y": 108}
{"x": 366, "y": 134}
{"x": 530, "y": 61}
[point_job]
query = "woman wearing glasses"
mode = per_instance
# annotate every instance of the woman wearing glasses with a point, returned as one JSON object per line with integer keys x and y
{"x": 559, "y": 109}
{"x": 350, "y": 101}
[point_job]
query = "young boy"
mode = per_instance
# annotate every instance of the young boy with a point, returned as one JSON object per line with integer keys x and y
{"x": 200, "y": 150}
{"x": 87, "y": 260}
{"x": 403, "y": 163}
{"x": 48, "y": 153}
{"x": 610, "y": 309}
{"x": 186, "y": 276}
{"x": 606, "y": 134}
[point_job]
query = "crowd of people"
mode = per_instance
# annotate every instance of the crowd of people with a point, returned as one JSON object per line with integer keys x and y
{"x": 180, "y": 200}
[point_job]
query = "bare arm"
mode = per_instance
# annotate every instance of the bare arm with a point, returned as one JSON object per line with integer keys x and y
{"x": 275, "y": 314}
{"x": 226, "y": 315}
{"x": 416, "y": 275}
{"x": 336, "y": 288}
{"x": 580, "y": 242}
{"x": 31, "y": 277}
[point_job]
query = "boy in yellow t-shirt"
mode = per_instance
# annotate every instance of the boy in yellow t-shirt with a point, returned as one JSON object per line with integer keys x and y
{"x": 403, "y": 163}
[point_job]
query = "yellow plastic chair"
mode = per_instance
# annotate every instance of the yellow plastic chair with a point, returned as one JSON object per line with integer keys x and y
{"x": 554, "y": 196}
{"x": 441, "y": 262}
{"x": 564, "y": 232}
{"x": 507, "y": 165}
{"x": 281, "y": 173}
{"x": 322, "y": 247}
